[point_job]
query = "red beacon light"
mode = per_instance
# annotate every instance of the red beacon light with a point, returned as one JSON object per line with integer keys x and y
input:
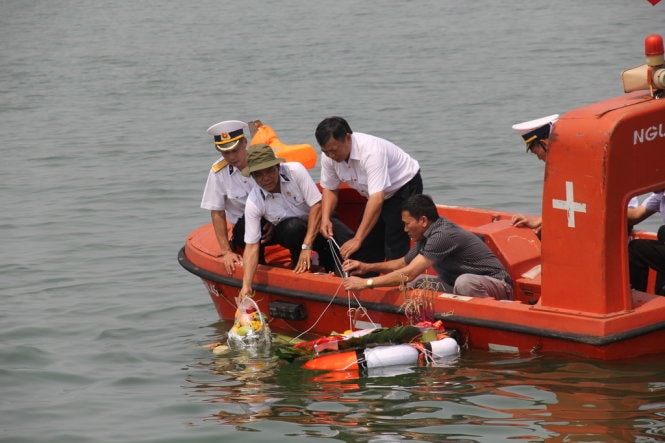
{"x": 650, "y": 76}
{"x": 653, "y": 49}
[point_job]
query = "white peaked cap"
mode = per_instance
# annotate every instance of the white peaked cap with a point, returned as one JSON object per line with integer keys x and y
{"x": 536, "y": 129}
{"x": 227, "y": 134}
{"x": 526, "y": 127}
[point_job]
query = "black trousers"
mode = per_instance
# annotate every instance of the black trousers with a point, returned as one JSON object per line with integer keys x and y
{"x": 395, "y": 241}
{"x": 238, "y": 238}
{"x": 291, "y": 232}
{"x": 642, "y": 255}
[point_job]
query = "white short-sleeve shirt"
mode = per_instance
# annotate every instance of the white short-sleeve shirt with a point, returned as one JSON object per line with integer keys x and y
{"x": 655, "y": 203}
{"x": 227, "y": 190}
{"x": 374, "y": 165}
{"x": 298, "y": 194}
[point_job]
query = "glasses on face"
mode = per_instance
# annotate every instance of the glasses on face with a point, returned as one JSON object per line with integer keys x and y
{"x": 333, "y": 147}
{"x": 329, "y": 150}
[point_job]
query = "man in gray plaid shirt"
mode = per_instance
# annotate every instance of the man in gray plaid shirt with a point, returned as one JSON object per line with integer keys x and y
{"x": 464, "y": 264}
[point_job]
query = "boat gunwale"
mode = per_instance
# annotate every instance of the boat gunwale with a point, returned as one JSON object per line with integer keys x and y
{"x": 448, "y": 318}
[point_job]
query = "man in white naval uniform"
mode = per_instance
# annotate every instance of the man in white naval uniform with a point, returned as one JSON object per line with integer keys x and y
{"x": 226, "y": 190}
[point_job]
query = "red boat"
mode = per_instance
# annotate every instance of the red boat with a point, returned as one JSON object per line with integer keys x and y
{"x": 572, "y": 291}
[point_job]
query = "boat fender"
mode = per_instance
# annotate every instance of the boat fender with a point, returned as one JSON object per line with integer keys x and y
{"x": 382, "y": 356}
{"x": 445, "y": 347}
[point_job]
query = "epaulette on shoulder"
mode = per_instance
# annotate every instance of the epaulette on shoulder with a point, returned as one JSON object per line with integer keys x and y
{"x": 218, "y": 166}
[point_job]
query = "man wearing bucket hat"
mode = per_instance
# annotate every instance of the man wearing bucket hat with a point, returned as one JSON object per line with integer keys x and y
{"x": 288, "y": 198}
{"x": 226, "y": 189}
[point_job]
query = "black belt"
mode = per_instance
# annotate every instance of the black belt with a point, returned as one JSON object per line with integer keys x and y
{"x": 406, "y": 185}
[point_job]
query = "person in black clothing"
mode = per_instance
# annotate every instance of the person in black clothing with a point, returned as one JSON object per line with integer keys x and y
{"x": 644, "y": 254}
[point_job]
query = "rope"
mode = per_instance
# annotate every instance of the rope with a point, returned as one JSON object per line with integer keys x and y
{"x": 353, "y": 313}
{"x": 320, "y": 315}
{"x": 337, "y": 258}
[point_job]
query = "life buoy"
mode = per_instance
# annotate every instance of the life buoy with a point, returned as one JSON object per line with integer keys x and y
{"x": 302, "y": 153}
{"x": 381, "y": 356}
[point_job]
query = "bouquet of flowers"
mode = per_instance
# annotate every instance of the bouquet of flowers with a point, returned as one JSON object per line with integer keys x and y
{"x": 250, "y": 328}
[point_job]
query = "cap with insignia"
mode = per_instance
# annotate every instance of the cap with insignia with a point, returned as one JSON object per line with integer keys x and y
{"x": 227, "y": 134}
{"x": 538, "y": 129}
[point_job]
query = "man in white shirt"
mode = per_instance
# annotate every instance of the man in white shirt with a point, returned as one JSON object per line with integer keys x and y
{"x": 380, "y": 171}
{"x": 645, "y": 254}
{"x": 287, "y": 197}
{"x": 655, "y": 202}
{"x": 226, "y": 189}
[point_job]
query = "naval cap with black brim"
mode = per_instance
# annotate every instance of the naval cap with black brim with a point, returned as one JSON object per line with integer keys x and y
{"x": 538, "y": 129}
{"x": 227, "y": 134}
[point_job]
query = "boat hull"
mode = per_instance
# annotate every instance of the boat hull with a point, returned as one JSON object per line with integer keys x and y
{"x": 317, "y": 303}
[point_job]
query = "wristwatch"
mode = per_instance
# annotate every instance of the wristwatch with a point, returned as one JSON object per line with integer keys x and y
{"x": 306, "y": 247}
{"x": 370, "y": 283}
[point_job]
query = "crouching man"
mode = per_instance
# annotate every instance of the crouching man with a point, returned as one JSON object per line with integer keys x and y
{"x": 464, "y": 264}
{"x": 287, "y": 197}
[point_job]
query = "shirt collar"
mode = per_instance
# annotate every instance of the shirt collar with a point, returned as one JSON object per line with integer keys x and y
{"x": 430, "y": 228}
{"x": 354, "y": 154}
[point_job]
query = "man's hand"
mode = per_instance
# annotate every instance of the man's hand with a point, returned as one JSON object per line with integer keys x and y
{"x": 354, "y": 267}
{"x": 267, "y": 232}
{"x": 350, "y": 247}
{"x": 528, "y": 221}
{"x": 231, "y": 259}
{"x": 246, "y": 292}
{"x": 304, "y": 261}
{"x": 326, "y": 229}
{"x": 354, "y": 283}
